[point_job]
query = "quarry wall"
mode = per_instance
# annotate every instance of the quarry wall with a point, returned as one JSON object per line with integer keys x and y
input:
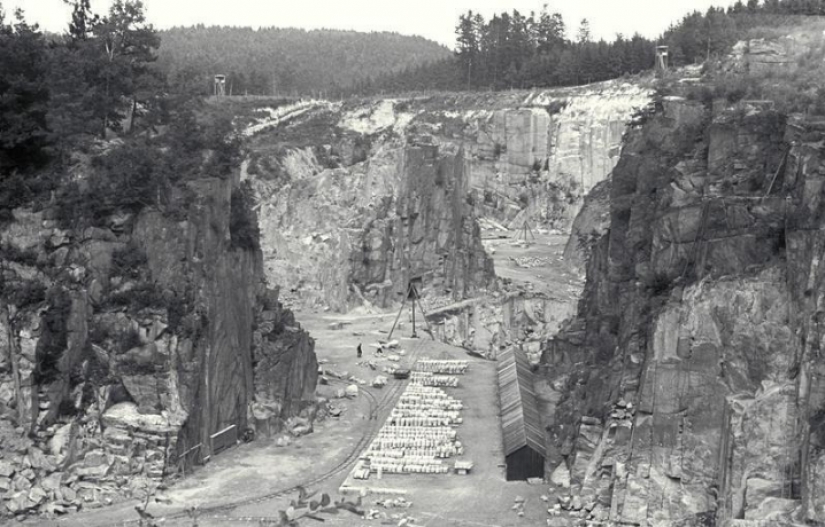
{"x": 135, "y": 350}
{"x": 689, "y": 377}
{"x": 355, "y": 199}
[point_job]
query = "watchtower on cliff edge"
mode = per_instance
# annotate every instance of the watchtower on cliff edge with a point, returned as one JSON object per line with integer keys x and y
{"x": 661, "y": 60}
{"x": 220, "y": 85}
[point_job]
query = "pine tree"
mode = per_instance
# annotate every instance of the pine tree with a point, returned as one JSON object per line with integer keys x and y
{"x": 467, "y": 45}
{"x": 24, "y": 93}
{"x": 549, "y": 31}
{"x": 105, "y": 73}
{"x": 128, "y": 46}
{"x": 83, "y": 19}
{"x": 583, "y": 34}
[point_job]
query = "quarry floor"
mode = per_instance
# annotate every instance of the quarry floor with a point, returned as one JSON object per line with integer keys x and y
{"x": 482, "y": 498}
{"x": 545, "y": 269}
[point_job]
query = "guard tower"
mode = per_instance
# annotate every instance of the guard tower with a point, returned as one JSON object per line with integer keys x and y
{"x": 661, "y": 60}
{"x": 220, "y": 85}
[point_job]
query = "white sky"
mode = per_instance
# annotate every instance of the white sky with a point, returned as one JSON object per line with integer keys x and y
{"x": 433, "y": 19}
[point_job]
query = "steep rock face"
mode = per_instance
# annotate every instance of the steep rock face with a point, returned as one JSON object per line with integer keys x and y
{"x": 590, "y": 224}
{"x": 355, "y": 200}
{"x": 362, "y": 233}
{"x": 689, "y": 381}
{"x": 539, "y": 161}
{"x": 229, "y": 296}
{"x": 494, "y": 322}
{"x": 138, "y": 349}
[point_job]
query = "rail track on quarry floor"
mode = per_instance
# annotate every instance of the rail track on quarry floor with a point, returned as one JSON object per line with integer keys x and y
{"x": 377, "y": 407}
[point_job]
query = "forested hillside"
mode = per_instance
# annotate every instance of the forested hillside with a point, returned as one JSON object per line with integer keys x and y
{"x": 286, "y": 61}
{"x": 514, "y": 50}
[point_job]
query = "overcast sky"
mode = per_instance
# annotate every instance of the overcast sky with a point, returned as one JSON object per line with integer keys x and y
{"x": 433, "y": 19}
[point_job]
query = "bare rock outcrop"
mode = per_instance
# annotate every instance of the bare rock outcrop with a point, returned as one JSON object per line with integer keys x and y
{"x": 357, "y": 199}
{"x": 688, "y": 378}
{"x": 137, "y": 348}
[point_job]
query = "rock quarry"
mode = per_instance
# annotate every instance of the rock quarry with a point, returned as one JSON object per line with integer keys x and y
{"x": 682, "y": 388}
{"x": 356, "y": 199}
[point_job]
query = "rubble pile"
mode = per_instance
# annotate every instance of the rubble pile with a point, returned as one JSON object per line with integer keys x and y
{"x": 529, "y": 262}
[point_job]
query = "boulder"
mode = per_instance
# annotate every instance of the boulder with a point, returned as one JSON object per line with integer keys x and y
{"x": 39, "y": 460}
{"x": 757, "y": 490}
{"x": 52, "y": 509}
{"x": 352, "y": 391}
{"x": 139, "y": 485}
{"x": 68, "y": 494}
{"x": 773, "y": 509}
{"x": 763, "y": 498}
{"x": 19, "y": 503}
{"x": 301, "y": 430}
{"x": 60, "y": 442}
{"x": 21, "y": 483}
{"x": 95, "y": 458}
{"x": 145, "y": 391}
{"x": 6, "y": 469}
{"x": 37, "y": 495}
{"x": 52, "y": 482}
{"x": 561, "y": 476}
{"x": 6, "y": 394}
{"x": 300, "y": 426}
{"x": 576, "y": 503}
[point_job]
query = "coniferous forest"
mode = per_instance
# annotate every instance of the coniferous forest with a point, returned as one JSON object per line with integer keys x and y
{"x": 60, "y": 95}
{"x": 513, "y": 50}
{"x": 286, "y": 61}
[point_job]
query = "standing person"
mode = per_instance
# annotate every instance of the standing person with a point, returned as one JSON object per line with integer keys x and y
{"x": 359, "y": 350}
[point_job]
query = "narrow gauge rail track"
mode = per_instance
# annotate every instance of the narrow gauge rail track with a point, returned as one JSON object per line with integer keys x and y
{"x": 377, "y": 407}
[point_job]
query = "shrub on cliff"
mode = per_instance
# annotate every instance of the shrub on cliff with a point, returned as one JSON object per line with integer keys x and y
{"x": 22, "y": 294}
{"x": 152, "y": 171}
{"x": 128, "y": 262}
{"x": 243, "y": 224}
{"x": 660, "y": 284}
{"x": 142, "y": 296}
{"x": 22, "y": 256}
{"x": 54, "y": 336}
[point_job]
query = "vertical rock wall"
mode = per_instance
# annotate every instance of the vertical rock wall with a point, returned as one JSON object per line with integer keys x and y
{"x": 539, "y": 161}
{"x": 347, "y": 236}
{"x": 688, "y": 376}
{"x": 390, "y": 189}
{"x": 430, "y": 233}
{"x": 137, "y": 349}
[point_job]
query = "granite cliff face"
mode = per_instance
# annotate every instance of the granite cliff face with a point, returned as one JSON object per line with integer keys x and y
{"x": 689, "y": 379}
{"x": 365, "y": 231}
{"x": 355, "y": 199}
{"x": 539, "y": 159}
{"x": 135, "y": 350}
